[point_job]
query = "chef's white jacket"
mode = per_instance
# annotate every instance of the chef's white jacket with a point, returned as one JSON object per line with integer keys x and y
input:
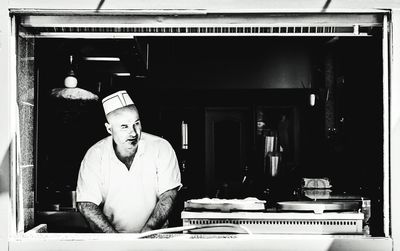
{"x": 128, "y": 197}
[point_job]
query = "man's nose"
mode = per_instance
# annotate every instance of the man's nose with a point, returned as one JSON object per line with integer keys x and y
{"x": 132, "y": 131}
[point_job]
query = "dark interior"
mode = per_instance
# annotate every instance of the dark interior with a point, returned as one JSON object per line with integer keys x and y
{"x": 221, "y": 87}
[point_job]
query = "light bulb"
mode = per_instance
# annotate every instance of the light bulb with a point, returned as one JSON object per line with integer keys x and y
{"x": 70, "y": 81}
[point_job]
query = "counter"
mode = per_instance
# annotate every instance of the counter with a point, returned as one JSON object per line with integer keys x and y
{"x": 116, "y": 242}
{"x": 43, "y": 238}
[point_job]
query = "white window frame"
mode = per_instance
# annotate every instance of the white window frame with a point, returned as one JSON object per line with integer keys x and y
{"x": 26, "y": 241}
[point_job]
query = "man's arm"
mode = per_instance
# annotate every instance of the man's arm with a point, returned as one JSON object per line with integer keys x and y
{"x": 161, "y": 211}
{"x": 97, "y": 221}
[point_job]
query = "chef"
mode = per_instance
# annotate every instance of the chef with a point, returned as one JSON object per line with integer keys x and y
{"x": 128, "y": 181}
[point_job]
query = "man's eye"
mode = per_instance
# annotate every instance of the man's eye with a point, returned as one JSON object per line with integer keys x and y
{"x": 124, "y": 126}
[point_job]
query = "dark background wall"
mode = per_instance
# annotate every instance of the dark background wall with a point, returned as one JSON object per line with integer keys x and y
{"x": 188, "y": 75}
{"x": 231, "y": 63}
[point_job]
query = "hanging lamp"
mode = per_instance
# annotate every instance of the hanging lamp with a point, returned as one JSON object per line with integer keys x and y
{"x": 71, "y": 91}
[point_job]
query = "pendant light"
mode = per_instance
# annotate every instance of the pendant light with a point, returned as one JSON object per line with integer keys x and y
{"x": 71, "y": 91}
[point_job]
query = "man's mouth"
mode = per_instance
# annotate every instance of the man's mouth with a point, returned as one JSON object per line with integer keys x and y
{"x": 132, "y": 140}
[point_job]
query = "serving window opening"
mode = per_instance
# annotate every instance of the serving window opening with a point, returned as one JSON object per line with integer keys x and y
{"x": 315, "y": 90}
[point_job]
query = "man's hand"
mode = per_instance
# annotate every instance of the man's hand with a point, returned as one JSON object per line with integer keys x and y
{"x": 161, "y": 211}
{"x": 94, "y": 216}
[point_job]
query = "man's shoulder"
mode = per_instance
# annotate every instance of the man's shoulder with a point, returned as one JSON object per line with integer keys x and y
{"x": 157, "y": 147}
{"x": 154, "y": 139}
{"x": 100, "y": 145}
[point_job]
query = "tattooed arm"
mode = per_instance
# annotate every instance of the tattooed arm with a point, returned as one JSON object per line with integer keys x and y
{"x": 94, "y": 216}
{"x": 161, "y": 211}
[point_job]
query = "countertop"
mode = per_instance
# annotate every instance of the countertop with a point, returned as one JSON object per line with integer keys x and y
{"x": 193, "y": 242}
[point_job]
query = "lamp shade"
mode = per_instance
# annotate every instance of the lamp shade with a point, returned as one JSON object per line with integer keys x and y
{"x": 71, "y": 91}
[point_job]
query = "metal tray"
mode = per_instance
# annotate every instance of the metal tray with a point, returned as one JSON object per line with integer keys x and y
{"x": 317, "y": 206}
{"x": 225, "y": 205}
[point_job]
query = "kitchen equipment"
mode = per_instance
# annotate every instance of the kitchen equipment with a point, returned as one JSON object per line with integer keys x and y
{"x": 274, "y": 159}
{"x": 318, "y": 207}
{"x": 353, "y": 202}
{"x": 316, "y": 188}
{"x": 270, "y": 144}
{"x": 316, "y": 183}
{"x": 184, "y": 128}
{"x": 317, "y": 194}
{"x": 292, "y": 217}
{"x": 279, "y": 222}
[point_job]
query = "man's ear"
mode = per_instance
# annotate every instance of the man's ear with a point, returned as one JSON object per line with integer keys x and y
{"x": 108, "y": 127}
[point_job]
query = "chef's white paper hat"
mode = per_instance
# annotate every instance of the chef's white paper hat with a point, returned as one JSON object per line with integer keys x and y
{"x": 115, "y": 101}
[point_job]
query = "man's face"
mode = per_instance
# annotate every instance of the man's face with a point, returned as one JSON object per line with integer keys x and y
{"x": 125, "y": 128}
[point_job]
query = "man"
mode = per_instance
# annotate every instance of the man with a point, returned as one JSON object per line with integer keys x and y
{"x": 129, "y": 180}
